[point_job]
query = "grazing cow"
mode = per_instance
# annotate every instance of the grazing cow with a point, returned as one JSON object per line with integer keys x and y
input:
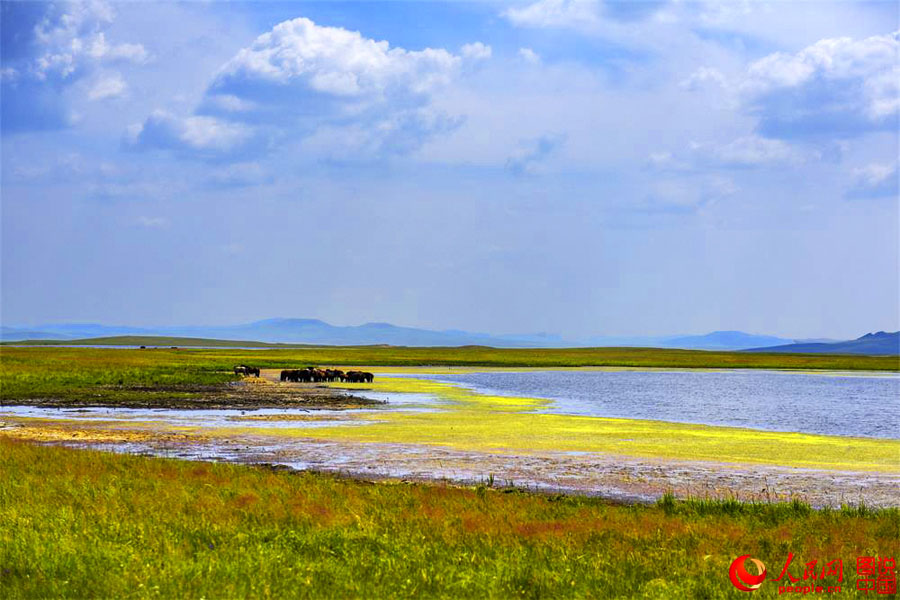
{"x": 339, "y": 375}
{"x": 369, "y": 377}
{"x": 240, "y": 370}
{"x": 296, "y": 375}
{"x": 358, "y": 377}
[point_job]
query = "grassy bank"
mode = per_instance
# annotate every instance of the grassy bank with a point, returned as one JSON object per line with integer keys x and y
{"x": 90, "y": 524}
{"x": 105, "y": 375}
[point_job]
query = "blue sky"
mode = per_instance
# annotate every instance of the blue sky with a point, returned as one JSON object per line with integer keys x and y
{"x": 582, "y": 168}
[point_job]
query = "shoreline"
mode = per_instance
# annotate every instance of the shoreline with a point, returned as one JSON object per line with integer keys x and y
{"x": 621, "y": 479}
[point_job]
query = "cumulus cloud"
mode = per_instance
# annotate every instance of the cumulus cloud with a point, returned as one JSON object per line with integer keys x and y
{"x": 476, "y": 51}
{"x": 49, "y": 48}
{"x": 335, "y": 63}
{"x": 333, "y": 90}
{"x": 839, "y": 87}
{"x": 71, "y": 39}
{"x": 202, "y": 134}
{"x": 875, "y": 181}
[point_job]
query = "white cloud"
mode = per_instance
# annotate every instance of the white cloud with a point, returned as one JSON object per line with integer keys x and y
{"x": 875, "y": 181}
{"x": 744, "y": 152}
{"x": 837, "y": 85}
{"x": 574, "y": 14}
{"x": 703, "y": 77}
{"x": 109, "y": 86}
{"x": 207, "y": 135}
{"x": 752, "y": 151}
{"x": 333, "y": 90}
{"x": 620, "y": 21}
{"x": 529, "y": 56}
{"x": 336, "y": 62}
{"x": 476, "y": 51}
{"x": 71, "y": 39}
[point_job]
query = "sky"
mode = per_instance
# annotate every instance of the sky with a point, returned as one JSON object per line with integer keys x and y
{"x": 573, "y": 167}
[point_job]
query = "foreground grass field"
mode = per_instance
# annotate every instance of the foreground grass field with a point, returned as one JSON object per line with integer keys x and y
{"x": 109, "y": 375}
{"x": 76, "y": 523}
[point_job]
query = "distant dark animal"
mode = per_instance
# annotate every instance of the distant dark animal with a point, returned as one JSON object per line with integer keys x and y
{"x": 359, "y": 377}
{"x": 245, "y": 370}
{"x": 297, "y": 375}
{"x": 339, "y": 375}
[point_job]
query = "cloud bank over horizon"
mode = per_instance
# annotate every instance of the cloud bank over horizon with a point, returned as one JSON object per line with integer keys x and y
{"x": 575, "y": 166}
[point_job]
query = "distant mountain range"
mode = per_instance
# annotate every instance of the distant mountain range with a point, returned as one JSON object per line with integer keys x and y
{"x": 316, "y": 332}
{"x": 880, "y": 343}
{"x": 303, "y": 331}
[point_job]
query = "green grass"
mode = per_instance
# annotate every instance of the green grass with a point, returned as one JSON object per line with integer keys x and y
{"x": 77, "y": 523}
{"x": 109, "y": 374}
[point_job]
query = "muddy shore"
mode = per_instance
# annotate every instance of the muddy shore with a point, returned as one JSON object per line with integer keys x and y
{"x": 248, "y": 394}
{"x": 617, "y": 478}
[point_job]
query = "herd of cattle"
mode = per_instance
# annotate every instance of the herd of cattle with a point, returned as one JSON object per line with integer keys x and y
{"x": 312, "y": 374}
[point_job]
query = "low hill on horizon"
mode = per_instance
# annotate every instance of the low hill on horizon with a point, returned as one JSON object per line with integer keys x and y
{"x": 880, "y": 343}
{"x": 320, "y": 333}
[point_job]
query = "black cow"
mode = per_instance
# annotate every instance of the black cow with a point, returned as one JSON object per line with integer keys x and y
{"x": 245, "y": 370}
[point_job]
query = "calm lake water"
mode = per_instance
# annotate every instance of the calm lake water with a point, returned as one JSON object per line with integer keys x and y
{"x": 834, "y": 404}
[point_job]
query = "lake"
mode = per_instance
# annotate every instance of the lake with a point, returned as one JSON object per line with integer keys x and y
{"x": 847, "y": 404}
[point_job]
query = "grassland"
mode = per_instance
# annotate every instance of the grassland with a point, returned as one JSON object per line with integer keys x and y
{"x": 77, "y": 524}
{"x": 106, "y": 375}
